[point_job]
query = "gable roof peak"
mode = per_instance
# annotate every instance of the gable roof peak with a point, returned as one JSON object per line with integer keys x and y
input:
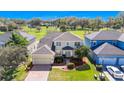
{"x": 67, "y": 36}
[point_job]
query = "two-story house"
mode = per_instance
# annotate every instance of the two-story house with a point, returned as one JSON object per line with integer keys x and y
{"x": 31, "y": 47}
{"x": 56, "y": 44}
{"x": 107, "y": 47}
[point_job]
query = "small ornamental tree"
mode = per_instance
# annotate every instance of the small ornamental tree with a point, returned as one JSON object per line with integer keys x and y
{"x": 82, "y": 52}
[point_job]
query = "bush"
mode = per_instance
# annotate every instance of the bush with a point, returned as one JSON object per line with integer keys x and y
{"x": 83, "y": 67}
{"x": 70, "y": 65}
{"x": 58, "y": 59}
{"x": 76, "y": 61}
{"x": 99, "y": 68}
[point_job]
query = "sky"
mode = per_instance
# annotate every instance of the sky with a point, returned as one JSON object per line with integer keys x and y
{"x": 46, "y": 15}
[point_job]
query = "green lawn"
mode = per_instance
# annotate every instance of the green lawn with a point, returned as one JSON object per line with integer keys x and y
{"x": 21, "y": 73}
{"x": 39, "y": 34}
{"x": 1, "y": 33}
{"x": 73, "y": 75}
{"x": 79, "y": 33}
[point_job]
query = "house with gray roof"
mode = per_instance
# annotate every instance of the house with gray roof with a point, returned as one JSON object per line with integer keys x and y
{"x": 107, "y": 47}
{"x": 56, "y": 44}
{"x": 30, "y": 38}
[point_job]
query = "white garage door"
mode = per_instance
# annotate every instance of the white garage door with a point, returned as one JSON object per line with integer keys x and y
{"x": 108, "y": 61}
{"x": 121, "y": 61}
{"x": 43, "y": 59}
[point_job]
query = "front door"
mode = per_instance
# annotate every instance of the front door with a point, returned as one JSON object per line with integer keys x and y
{"x": 68, "y": 53}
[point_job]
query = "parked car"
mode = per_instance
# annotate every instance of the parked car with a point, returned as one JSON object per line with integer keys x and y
{"x": 115, "y": 72}
{"x": 122, "y": 68}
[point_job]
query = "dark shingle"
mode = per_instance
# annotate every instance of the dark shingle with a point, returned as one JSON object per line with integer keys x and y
{"x": 107, "y": 49}
{"x": 67, "y": 36}
{"x": 104, "y": 35}
{"x": 67, "y": 48}
{"x": 48, "y": 40}
{"x": 44, "y": 50}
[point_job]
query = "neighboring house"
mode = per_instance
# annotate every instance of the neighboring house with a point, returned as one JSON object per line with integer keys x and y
{"x": 31, "y": 39}
{"x": 107, "y": 47}
{"x": 56, "y": 44}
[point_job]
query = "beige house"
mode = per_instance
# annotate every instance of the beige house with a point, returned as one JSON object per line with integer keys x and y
{"x": 43, "y": 55}
{"x": 54, "y": 44}
{"x": 66, "y": 43}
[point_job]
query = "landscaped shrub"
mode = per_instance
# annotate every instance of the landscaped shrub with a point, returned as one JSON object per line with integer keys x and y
{"x": 83, "y": 67}
{"x": 29, "y": 66}
{"x": 58, "y": 59}
{"x": 70, "y": 66}
{"x": 76, "y": 61}
{"x": 99, "y": 68}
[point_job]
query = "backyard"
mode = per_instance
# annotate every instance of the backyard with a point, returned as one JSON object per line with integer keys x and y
{"x": 39, "y": 34}
{"x": 73, "y": 75}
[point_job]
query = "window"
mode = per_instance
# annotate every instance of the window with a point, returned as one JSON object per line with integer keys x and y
{"x": 94, "y": 43}
{"x": 58, "y": 43}
{"x": 77, "y": 44}
{"x": 67, "y": 43}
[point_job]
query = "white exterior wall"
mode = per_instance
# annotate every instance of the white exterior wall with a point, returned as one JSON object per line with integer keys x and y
{"x": 58, "y": 49}
{"x": 42, "y": 58}
{"x": 32, "y": 47}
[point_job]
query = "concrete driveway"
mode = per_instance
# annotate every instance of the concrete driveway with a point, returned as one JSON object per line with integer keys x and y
{"x": 38, "y": 73}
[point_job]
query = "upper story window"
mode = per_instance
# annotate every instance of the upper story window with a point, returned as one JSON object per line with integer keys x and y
{"x": 94, "y": 43}
{"x": 77, "y": 43}
{"x": 67, "y": 43}
{"x": 58, "y": 43}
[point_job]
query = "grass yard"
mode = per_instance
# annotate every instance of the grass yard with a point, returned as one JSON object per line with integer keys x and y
{"x": 1, "y": 33}
{"x": 21, "y": 73}
{"x": 73, "y": 75}
{"x": 39, "y": 34}
{"x": 79, "y": 33}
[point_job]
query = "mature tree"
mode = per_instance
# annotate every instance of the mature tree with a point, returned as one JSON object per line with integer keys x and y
{"x": 98, "y": 23}
{"x": 10, "y": 58}
{"x": 17, "y": 40}
{"x": 63, "y": 28}
{"x": 35, "y": 22}
{"x": 83, "y": 23}
{"x": 11, "y": 26}
{"x": 121, "y": 15}
{"x": 92, "y": 24}
{"x": 82, "y": 52}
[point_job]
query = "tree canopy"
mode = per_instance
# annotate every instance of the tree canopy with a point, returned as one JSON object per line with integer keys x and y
{"x": 17, "y": 40}
{"x": 82, "y": 52}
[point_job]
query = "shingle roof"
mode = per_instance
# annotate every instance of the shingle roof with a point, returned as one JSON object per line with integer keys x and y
{"x": 48, "y": 40}
{"x": 104, "y": 35}
{"x": 121, "y": 38}
{"x": 67, "y": 36}
{"x": 67, "y": 48}
{"x": 5, "y": 37}
{"x": 44, "y": 50}
{"x": 107, "y": 49}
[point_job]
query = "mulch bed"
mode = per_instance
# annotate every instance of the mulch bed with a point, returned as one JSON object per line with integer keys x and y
{"x": 59, "y": 64}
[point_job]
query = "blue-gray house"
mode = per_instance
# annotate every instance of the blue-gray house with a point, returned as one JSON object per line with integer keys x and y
{"x": 107, "y": 47}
